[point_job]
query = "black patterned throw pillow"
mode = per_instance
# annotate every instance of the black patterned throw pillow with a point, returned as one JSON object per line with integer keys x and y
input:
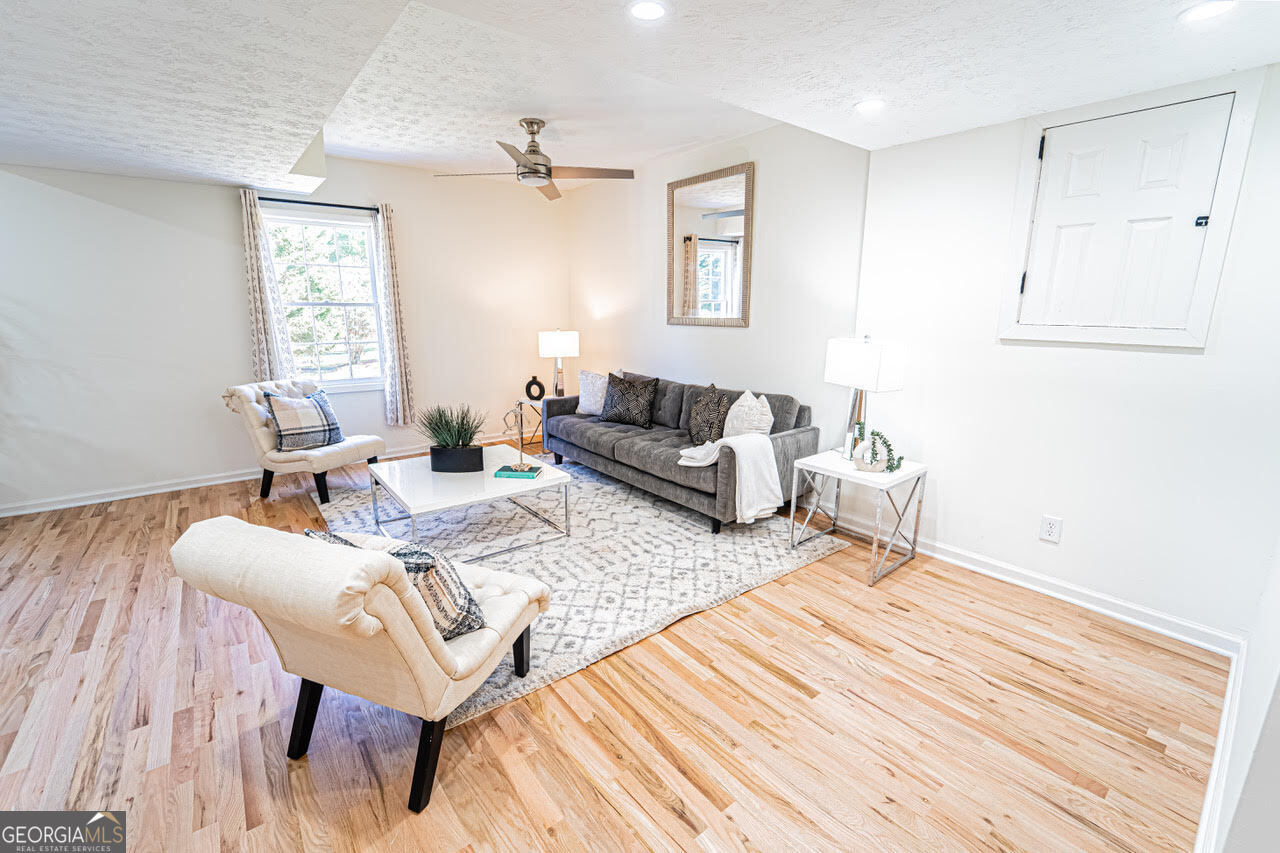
{"x": 706, "y": 417}
{"x": 453, "y": 608}
{"x": 629, "y": 401}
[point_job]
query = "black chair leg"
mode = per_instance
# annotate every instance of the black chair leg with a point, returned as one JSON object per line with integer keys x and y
{"x": 520, "y": 650}
{"x": 322, "y": 486}
{"x": 373, "y": 460}
{"x": 304, "y": 717}
{"x": 267, "y": 477}
{"x": 424, "y": 769}
{"x": 715, "y": 525}
{"x": 559, "y": 459}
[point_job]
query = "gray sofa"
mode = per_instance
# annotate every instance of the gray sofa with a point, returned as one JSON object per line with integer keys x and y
{"x": 648, "y": 458}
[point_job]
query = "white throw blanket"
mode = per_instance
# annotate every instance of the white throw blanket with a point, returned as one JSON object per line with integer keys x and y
{"x": 759, "y": 490}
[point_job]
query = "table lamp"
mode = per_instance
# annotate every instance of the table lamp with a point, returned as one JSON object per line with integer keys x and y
{"x": 866, "y": 368}
{"x": 558, "y": 345}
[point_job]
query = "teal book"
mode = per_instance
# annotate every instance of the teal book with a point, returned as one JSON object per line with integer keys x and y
{"x": 508, "y": 471}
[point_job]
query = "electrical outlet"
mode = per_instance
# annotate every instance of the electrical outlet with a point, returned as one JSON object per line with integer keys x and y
{"x": 1050, "y": 528}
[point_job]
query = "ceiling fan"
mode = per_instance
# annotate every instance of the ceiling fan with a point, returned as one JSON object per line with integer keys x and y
{"x": 534, "y": 169}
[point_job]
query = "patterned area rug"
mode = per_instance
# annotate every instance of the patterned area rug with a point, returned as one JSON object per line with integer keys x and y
{"x": 634, "y": 564}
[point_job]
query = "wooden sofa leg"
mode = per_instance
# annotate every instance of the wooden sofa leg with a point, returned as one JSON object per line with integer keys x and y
{"x": 424, "y": 769}
{"x": 373, "y": 460}
{"x": 715, "y": 525}
{"x": 304, "y": 717}
{"x": 267, "y": 477}
{"x": 520, "y": 650}
{"x": 322, "y": 486}
{"x": 559, "y": 458}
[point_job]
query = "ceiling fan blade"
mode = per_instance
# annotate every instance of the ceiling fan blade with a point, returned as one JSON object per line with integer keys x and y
{"x": 589, "y": 172}
{"x": 517, "y": 155}
{"x": 549, "y": 190}
{"x": 471, "y": 174}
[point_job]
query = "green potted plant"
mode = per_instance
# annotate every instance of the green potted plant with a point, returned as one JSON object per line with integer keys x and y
{"x": 452, "y": 432}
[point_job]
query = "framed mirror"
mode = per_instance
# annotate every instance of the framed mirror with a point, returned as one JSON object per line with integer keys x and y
{"x": 709, "y": 248}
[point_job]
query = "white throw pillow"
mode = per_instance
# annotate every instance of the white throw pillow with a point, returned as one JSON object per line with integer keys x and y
{"x": 591, "y": 388}
{"x": 749, "y": 414}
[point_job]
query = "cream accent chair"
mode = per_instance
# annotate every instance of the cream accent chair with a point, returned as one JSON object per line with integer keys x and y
{"x": 350, "y": 618}
{"x": 248, "y": 401}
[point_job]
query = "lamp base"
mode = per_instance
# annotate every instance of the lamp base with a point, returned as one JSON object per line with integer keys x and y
{"x": 857, "y": 412}
{"x": 557, "y": 386}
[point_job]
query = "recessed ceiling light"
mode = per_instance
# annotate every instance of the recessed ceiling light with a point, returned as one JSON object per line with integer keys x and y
{"x": 869, "y": 106}
{"x": 1205, "y": 11}
{"x": 647, "y": 10}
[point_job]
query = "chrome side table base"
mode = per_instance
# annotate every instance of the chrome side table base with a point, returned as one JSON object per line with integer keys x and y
{"x": 882, "y": 550}
{"x": 562, "y": 531}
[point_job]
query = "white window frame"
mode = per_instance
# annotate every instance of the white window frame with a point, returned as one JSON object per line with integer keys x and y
{"x": 1247, "y": 87}
{"x": 338, "y": 218}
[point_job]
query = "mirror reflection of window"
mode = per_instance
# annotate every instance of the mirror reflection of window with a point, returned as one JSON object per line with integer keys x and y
{"x": 708, "y": 229}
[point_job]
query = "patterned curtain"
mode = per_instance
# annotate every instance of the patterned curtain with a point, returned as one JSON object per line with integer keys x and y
{"x": 689, "y": 298}
{"x": 271, "y": 356}
{"x": 398, "y": 384}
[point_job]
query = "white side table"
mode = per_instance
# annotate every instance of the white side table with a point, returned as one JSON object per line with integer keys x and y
{"x": 821, "y": 469}
{"x": 536, "y": 407}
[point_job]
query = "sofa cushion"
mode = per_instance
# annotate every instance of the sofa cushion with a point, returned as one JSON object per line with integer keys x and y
{"x": 594, "y": 434}
{"x": 784, "y": 407}
{"x": 658, "y": 453}
{"x": 668, "y": 403}
{"x": 707, "y": 416}
{"x": 629, "y": 401}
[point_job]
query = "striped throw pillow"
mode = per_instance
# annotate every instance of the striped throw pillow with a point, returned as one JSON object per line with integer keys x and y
{"x": 303, "y": 422}
{"x": 453, "y": 608}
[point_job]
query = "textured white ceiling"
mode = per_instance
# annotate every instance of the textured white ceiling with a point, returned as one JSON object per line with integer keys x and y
{"x": 440, "y": 89}
{"x": 943, "y": 65}
{"x": 227, "y": 91}
{"x": 714, "y": 195}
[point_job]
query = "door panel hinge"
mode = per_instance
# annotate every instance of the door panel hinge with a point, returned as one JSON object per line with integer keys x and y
{"x": 1202, "y": 221}
{"x": 1022, "y": 288}
{"x": 1040, "y": 156}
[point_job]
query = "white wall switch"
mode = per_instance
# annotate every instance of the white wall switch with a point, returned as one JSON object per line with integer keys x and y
{"x": 1050, "y": 528}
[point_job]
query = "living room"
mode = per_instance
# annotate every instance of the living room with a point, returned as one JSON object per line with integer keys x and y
{"x": 951, "y": 567}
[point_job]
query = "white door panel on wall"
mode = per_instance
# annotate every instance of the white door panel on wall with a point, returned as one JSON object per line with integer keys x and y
{"x": 1115, "y": 241}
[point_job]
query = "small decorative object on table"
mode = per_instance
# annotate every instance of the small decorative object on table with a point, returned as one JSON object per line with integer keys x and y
{"x": 514, "y": 420}
{"x": 866, "y": 454}
{"x": 452, "y": 432}
{"x": 534, "y": 389}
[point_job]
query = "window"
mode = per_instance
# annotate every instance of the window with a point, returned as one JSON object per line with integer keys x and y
{"x": 1128, "y": 206}
{"x": 717, "y": 276}
{"x": 325, "y": 267}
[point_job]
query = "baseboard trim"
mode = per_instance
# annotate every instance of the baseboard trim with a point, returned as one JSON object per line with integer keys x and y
{"x": 1231, "y": 646}
{"x": 105, "y": 495}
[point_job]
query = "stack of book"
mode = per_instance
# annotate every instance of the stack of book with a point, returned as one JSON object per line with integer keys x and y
{"x": 509, "y": 471}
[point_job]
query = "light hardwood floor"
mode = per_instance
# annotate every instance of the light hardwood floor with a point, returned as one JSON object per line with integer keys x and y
{"x": 938, "y": 710}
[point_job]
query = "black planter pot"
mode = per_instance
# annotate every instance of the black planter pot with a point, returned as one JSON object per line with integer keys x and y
{"x": 457, "y": 460}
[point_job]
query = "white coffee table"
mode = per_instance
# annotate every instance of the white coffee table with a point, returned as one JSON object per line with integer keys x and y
{"x": 418, "y": 490}
{"x": 830, "y": 466}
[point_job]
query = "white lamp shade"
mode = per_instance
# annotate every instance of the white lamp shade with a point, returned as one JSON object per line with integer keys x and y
{"x": 858, "y": 363}
{"x": 557, "y": 344}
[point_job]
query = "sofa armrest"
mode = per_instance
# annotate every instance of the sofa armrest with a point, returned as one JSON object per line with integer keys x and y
{"x": 788, "y": 446}
{"x": 555, "y": 406}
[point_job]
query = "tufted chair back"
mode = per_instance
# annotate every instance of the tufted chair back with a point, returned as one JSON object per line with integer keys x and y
{"x": 341, "y": 616}
{"x": 250, "y": 403}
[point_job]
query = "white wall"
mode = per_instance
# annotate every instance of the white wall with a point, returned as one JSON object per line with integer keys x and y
{"x": 123, "y": 316}
{"x": 809, "y": 196}
{"x": 1161, "y": 463}
{"x": 1255, "y": 747}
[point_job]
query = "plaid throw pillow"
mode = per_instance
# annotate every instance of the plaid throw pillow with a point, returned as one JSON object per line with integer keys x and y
{"x": 629, "y": 401}
{"x": 453, "y": 608}
{"x": 303, "y": 422}
{"x": 707, "y": 416}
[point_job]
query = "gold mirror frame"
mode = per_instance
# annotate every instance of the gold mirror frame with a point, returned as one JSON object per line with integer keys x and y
{"x": 749, "y": 170}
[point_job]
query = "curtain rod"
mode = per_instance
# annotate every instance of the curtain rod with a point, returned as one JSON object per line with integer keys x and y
{"x": 318, "y": 203}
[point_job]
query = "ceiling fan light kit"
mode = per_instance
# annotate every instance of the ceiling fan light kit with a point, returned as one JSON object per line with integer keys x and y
{"x": 534, "y": 169}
